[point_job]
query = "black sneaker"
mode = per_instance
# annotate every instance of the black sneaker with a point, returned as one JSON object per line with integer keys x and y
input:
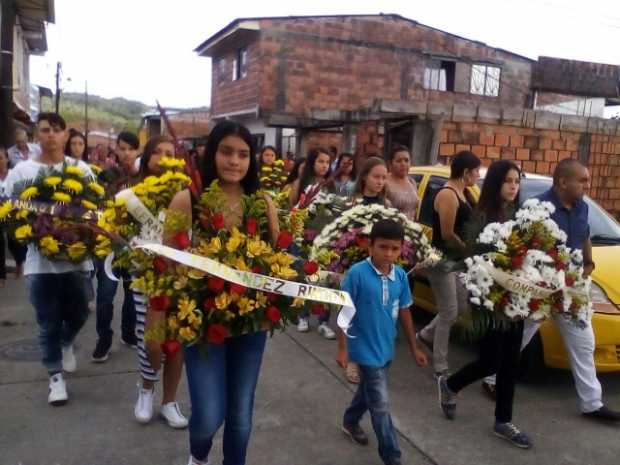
{"x": 102, "y": 351}
{"x": 356, "y": 433}
{"x": 447, "y": 398}
{"x": 604, "y": 414}
{"x": 511, "y": 433}
{"x": 130, "y": 341}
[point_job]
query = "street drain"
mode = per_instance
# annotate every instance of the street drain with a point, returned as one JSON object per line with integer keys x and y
{"x": 26, "y": 350}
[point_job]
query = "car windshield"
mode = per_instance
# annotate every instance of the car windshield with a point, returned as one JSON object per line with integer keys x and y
{"x": 604, "y": 229}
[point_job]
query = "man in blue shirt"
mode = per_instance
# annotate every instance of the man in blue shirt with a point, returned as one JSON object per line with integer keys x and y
{"x": 381, "y": 294}
{"x": 570, "y": 180}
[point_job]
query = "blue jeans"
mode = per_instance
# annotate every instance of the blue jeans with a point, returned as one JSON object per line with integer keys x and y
{"x": 106, "y": 290}
{"x": 372, "y": 395}
{"x": 61, "y": 305}
{"x": 221, "y": 385}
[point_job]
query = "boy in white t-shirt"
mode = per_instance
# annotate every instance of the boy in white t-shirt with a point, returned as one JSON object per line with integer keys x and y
{"x": 56, "y": 289}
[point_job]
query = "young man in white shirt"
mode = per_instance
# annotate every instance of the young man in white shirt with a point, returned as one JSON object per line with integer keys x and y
{"x": 56, "y": 288}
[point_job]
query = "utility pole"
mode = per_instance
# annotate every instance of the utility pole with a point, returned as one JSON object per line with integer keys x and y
{"x": 58, "y": 87}
{"x": 86, "y": 112}
{"x": 7, "y": 26}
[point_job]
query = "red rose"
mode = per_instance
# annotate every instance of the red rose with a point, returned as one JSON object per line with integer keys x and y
{"x": 517, "y": 262}
{"x": 273, "y": 314}
{"x": 257, "y": 270}
{"x": 534, "y": 305}
{"x": 318, "y": 309}
{"x": 251, "y": 226}
{"x": 170, "y": 347}
{"x": 216, "y": 284}
{"x": 216, "y": 333}
{"x": 310, "y": 267}
{"x": 208, "y": 304}
{"x": 237, "y": 289}
{"x": 160, "y": 264}
{"x": 504, "y": 301}
{"x": 560, "y": 266}
{"x": 362, "y": 242}
{"x": 569, "y": 280}
{"x": 284, "y": 240}
{"x": 159, "y": 303}
{"x": 181, "y": 239}
{"x": 271, "y": 297}
{"x": 218, "y": 220}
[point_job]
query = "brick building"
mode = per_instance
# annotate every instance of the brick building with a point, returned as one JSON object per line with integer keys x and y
{"x": 366, "y": 82}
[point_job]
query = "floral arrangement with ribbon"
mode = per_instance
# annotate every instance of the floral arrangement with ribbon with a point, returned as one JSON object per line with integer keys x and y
{"x": 531, "y": 273}
{"x": 273, "y": 177}
{"x": 136, "y": 213}
{"x": 57, "y": 213}
{"x": 203, "y": 308}
{"x": 345, "y": 241}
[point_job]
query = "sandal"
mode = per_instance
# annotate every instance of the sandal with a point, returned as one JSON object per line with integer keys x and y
{"x": 352, "y": 373}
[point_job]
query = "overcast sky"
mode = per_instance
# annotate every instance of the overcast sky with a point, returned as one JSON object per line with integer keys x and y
{"x": 143, "y": 49}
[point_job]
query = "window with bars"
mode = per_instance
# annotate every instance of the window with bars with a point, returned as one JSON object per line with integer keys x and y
{"x": 485, "y": 80}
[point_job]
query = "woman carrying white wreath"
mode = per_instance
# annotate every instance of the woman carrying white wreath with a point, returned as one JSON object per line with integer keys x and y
{"x": 500, "y": 345}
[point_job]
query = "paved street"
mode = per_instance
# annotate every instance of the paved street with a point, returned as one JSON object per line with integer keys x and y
{"x": 299, "y": 403}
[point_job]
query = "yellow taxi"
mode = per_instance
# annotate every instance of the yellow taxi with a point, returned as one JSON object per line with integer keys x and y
{"x": 605, "y": 234}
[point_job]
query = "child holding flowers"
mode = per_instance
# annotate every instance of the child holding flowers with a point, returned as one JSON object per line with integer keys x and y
{"x": 222, "y": 383}
{"x": 150, "y": 361}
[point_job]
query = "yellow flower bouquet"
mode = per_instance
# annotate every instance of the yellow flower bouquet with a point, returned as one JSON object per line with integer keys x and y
{"x": 57, "y": 212}
{"x": 273, "y": 177}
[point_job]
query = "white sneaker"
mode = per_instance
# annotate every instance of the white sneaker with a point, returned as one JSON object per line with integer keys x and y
{"x": 172, "y": 414}
{"x": 193, "y": 461}
{"x": 58, "y": 391}
{"x": 69, "y": 363}
{"x": 325, "y": 331}
{"x": 143, "y": 410}
{"x": 303, "y": 326}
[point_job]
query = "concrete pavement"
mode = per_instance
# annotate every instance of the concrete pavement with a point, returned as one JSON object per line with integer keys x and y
{"x": 299, "y": 404}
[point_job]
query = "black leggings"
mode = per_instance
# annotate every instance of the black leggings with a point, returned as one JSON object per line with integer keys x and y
{"x": 18, "y": 251}
{"x": 500, "y": 351}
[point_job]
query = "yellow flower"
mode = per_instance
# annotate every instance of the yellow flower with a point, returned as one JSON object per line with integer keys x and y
{"x": 103, "y": 247}
{"x": 181, "y": 177}
{"x": 76, "y": 170}
{"x": 52, "y": 181}
{"x": 49, "y": 246}
{"x": 96, "y": 188}
{"x": 180, "y": 283}
{"x": 186, "y": 307}
{"x": 171, "y": 163}
{"x": 5, "y": 210}
{"x": 212, "y": 248}
{"x": 238, "y": 263}
{"x": 278, "y": 162}
{"x": 23, "y": 232}
{"x": 151, "y": 181}
{"x": 261, "y": 300}
{"x": 22, "y": 214}
{"x": 283, "y": 272}
{"x": 88, "y": 204}
{"x": 73, "y": 186}
{"x": 256, "y": 248}
{"x": 188, "y": 334}
{"x": 173, "y": 323}
{"x": 95, "y": 169}
{"x": 29, "y": 193}
{"x": 76, "y": 250}
{"x": 236, "y": 239}
{"x": 297, "y": 302}
{"x": 195, "y": 319}
{"x": 222, "y": 301}
{"x": 245, "y": 305}
{"x": 285, "y": 259}
{"x": 61, "y": 197}
{"x": 266, "y": 169}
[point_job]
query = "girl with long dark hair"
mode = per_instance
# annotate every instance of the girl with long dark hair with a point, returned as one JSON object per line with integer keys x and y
{"x": 222, "y": 385}
{"x": 316, "y": 170}
{"x": 344, "y": 180}
{"x": 76, "y": 145}
{"x": 453, "y": 207}
{"x": 370, "y": 185}
{"x": 500, "y": 346}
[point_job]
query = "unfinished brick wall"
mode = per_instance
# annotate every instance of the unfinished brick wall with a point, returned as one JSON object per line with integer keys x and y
{"x": 538, "y": 151}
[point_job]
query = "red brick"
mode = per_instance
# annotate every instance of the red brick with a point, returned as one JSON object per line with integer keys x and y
{"x": 508, "y": 153}
{"x": 614, "y": 194}
{"x": 551, "y": 155}
{"x": 537, "y": 155}
{"x": 572, "y": 145}
{"x": 531, "y": 142}
{"x": 455, "y": 137}
{"x": 542, "y": 167}
{"x": 502, "y": 140}
{"x": 529, "y": 166}
{"x": 461, "y": 147}
{"x": 487, "y": 138}
{"x": 479, "y": 150}
{"x": 493, "y": 152}
{"x": 516, "y": 141}
{"x": 545, "y": 143}
{"x": 559, "y": 145}
{"x": 523, "y": 154}
{"x": 563, "y": 155}
{"x": 443, "y": 136}
{"x": 446, "y": 150}
{"x": 486, "y": 162}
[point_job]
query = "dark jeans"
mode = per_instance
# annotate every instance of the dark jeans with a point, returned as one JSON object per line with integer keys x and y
{"x": 500, "y": 351}
{"x": 305, "y": 313}
{"x": 17, "y": 250}
{"x": 106, "y": 290}
{"x": 60, "y": 303}
{"x": 372, "y": 395}
{"x": 221, "y": 386}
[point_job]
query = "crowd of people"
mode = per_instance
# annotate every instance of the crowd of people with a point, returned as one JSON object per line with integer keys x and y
{"x": 222, "y": 385}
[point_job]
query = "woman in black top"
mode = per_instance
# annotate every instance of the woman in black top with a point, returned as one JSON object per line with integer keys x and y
{"x": 500, "y": 346}
{"x": 370, "y": 186}
{"x": 452, "y": 209}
